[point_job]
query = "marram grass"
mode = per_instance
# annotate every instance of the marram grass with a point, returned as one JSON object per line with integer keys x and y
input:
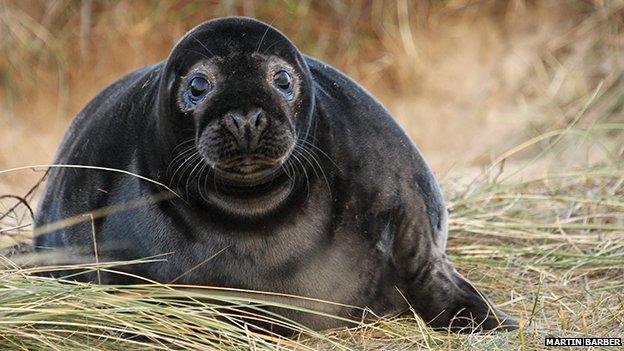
{"x": 547, "y": 248}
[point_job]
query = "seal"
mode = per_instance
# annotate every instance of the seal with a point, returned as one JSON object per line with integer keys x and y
{"x": 292, "y": 179}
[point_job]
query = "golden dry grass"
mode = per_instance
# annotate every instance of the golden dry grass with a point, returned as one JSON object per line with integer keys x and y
{"x": 518, "y": 105}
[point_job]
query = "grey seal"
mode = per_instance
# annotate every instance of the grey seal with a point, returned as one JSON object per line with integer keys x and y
{"x": 289, "y": 170}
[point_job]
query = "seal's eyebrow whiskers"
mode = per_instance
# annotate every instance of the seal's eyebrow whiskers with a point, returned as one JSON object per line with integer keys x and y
{"x": 197, "y": 52}
{"x": 262, "y": 39}
{"x": 200, "y": 43}
{"x": 268, "y": 27}
{"x": 270, "y": 46}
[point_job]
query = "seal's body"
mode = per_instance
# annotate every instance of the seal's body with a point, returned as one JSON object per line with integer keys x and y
{"x": 292, "y": 179}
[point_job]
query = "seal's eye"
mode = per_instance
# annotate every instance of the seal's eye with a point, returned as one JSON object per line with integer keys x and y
{"x": 199, "y": 85}
{"x": 282, "y": 80}
{"x": 196, "y": 88}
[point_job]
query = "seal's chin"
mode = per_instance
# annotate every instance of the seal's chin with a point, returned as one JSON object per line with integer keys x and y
{"x": 249, "y": 170}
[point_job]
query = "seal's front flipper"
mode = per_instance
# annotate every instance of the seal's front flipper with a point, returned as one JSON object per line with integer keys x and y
{"x": 445, "y": 299}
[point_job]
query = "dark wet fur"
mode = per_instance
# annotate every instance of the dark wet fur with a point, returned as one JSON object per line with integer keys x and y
{"x": 361, "y": 220}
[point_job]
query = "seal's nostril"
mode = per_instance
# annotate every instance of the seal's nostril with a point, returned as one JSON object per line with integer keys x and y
{"x": 248, "y": 124}
{"x": 255, "y": 118}
{"x": 258, "y": 119}
{"x": 236, "y": 120}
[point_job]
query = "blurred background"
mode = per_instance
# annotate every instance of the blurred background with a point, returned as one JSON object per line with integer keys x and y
{"x": 467, "y": 79}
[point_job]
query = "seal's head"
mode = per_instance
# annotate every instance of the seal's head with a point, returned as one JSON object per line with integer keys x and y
{"x": 245, "y": 92}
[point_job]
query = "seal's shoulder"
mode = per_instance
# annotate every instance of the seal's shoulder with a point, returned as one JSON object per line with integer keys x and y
{"x": 365, "y": 124}
{"x": 335, "y": 84}
{"x": 130, "y": 86}
{"x": 351, "y": 103}
{"x": 369, "y": 133}
{"x": 111, "y": 110}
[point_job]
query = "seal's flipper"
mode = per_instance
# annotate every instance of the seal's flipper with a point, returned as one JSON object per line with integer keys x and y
{"x": 445, "y": 299}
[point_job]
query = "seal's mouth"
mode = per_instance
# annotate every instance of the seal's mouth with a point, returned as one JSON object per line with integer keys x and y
{"x": 248, "y": 170}
{"x": 247, "y": 164}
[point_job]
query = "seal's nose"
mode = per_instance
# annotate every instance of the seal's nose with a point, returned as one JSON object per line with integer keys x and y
{"x": 246, "y": 127}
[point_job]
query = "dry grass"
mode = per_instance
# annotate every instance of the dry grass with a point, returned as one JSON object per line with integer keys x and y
{"x": 518, "y": 106}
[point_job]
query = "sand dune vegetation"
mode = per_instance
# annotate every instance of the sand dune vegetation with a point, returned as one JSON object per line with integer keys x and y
{"x": 517, "y": 105}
